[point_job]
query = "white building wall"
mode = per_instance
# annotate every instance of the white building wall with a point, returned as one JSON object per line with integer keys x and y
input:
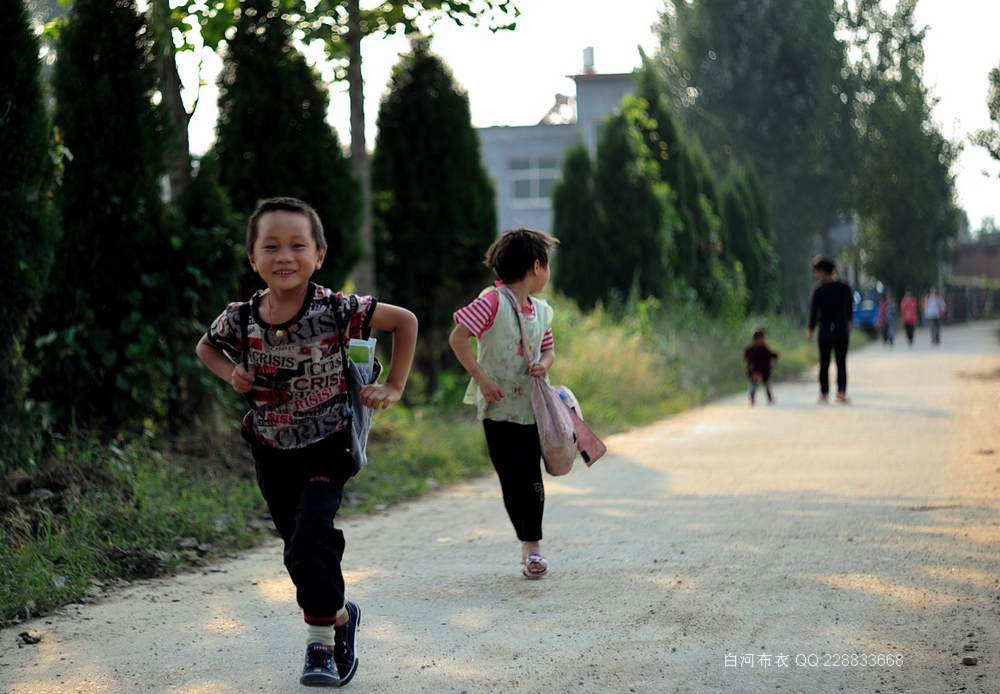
{"x": 526, "y": 160}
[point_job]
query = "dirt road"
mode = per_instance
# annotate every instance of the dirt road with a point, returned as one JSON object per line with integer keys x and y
{"x": 795, "y": 548}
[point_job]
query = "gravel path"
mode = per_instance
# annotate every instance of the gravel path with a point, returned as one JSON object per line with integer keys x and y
{"x": 796, "y": 548}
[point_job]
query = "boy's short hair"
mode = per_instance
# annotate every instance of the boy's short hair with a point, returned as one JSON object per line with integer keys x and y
{"x": 758, "y": 333}
{"x": 515, "y": 252}
{"x": 824, "y": 263}
{"x": 287, "y": 205}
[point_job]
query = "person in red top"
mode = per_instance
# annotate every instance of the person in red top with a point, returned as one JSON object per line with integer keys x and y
{"x": 908, "y": 312}
{"x": 758, "y": 357}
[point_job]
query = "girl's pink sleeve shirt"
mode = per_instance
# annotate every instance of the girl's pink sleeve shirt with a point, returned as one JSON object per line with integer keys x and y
{"x": 479, "y": 315}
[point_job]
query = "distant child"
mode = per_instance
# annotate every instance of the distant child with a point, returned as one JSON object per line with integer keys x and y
{"x": 908, "y": 313}
{"x": 758, "y": 357}
{"x": 298, "y": 425}
{"x": 501, "y": 380}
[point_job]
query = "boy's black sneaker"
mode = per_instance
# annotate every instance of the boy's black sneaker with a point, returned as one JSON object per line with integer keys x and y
{"x": 345, "y": 645}
{"x": 320, "y": 669}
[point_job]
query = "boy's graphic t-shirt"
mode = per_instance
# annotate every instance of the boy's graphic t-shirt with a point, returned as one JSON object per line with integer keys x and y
{"x": 299, "y": 393}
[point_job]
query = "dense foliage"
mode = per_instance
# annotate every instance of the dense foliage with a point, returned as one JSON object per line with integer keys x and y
{"x": 437, "y": 211}
{"x": 273, "y": 138}
{"x": 29, "y": 223}
{"x": 134, "y": 281}
{"x": 759, "y": 80}
{"x": 614, "y": 216}
{"x": 578, "y": 263}
{"x": 905, "y": 188}
{"x": 990, "y": 138}
{"x": 642, "y": 218}
{"x": 825, "y": 98}
{"x": 101, "y": 347}
{"x": 748, "y": 238}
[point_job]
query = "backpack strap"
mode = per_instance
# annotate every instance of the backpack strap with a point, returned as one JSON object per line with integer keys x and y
{"x": 244, "y": 312}
{"x": 506, "y": 291}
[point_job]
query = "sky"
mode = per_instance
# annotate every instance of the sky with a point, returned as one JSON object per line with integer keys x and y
{"x": 512, "y": 77}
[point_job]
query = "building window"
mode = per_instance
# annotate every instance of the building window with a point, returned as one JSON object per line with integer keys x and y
{"x": 532, "y": 180}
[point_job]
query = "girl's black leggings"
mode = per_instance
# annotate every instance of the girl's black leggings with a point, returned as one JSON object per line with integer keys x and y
{"x": 517, "y": 457}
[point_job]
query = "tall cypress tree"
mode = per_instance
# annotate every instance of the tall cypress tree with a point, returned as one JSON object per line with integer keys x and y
{"x": 683, "y": 165}
{"x": 584, "y": 248}
{"x": 748, "y": 238}
{"x": 273, "y": 138}
{"x": 437, "y": 214}
{"x": 632, "y": 209}
{"x": 30, "y": 226}
{"x": 102, "y": 353}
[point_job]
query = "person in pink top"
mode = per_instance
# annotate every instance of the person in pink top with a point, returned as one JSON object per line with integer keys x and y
{"x": 908, "y": 312}
{"x": 500, "y": 378}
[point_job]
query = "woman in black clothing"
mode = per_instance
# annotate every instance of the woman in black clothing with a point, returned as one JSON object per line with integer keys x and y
{"x": 830, "y": 308}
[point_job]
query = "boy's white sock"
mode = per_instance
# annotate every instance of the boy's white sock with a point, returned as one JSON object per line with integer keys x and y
{"x": 319, "y": 634}
{"x": 323, "y": 634}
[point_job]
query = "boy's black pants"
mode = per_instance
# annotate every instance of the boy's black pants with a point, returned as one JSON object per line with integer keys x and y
{"x": 303, "y": 489}
{"x": 517, "y": 457}
{"x": 836, "y": 340}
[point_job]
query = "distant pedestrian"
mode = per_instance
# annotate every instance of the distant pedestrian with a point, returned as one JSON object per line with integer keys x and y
{"x": 291, "y": 337}
{"x": 934, "y": 307}
{"x": 830, "y": 309}
{"x": 758, "y": 357}
{"x": 908, "y": 312}
{"x": 501, "y": 379}
{"x": 887, "y": 319}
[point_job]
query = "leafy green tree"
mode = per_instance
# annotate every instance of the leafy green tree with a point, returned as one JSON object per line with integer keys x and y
{"x": 905, "y": 191}
{"x": 761, "y": 79}
{"x": 439, "y": 211}
{"x": 101, "y": 352}
{"x": 634, "y": 205}
{"x": 578, "y": 264}
{"x": 341, "y": 25}
{"x": 990, "y": 138}
{"x": 273, "y": 138}
{"x": 644, "y": 218}
{"x": 209, "y": 265}
{"x": 697, "y": 257}
{"x": 748, "y": 237}
{"x": 30, "y": 225}
{"x": 615, "y": 217}
{"x": 674, "y": 165}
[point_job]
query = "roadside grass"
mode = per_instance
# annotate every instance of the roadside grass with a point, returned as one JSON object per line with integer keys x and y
{"x": 98, "y": 513}
{"x": 95, "y": 514}
{"x": 651, "y": 363}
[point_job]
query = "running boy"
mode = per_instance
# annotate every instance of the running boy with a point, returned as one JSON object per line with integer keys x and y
{"x": 298, "y": 425}
{"x": 500, "y": 383}
{"x": 758, "y": 357}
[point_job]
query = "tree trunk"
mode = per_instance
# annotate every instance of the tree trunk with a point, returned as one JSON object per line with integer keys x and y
{"x": 364, "y": 273}
{"x": 179, "y": 152}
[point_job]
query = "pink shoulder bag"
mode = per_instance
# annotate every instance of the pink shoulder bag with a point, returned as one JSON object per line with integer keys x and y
{"x": 561, "y": 430}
